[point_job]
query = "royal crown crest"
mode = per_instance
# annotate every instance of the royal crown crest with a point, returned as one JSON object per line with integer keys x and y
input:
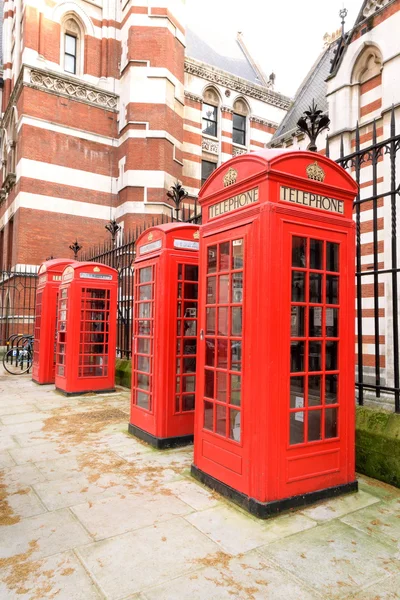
{"x": 96, "y": 269}
{"x": 314, "y": 171}
{"x": 230, "y": 177}
{"x": 150, "y": 237}
{"x": 196, "y": 235}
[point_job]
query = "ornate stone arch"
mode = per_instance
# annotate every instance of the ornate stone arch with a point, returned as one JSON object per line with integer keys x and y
{"x": 241, "y": 106}
{"x": 367, "y": 64}
{"x": 367, "y": 82}
{"x": 212, "y": 96}
{"x": 63, "y": 9}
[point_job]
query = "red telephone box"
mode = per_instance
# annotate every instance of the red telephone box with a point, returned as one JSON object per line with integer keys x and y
{"x": 165, "y": 335}
{"x": 86, "y": 329}
{"x": 43, "y": 368}
{"x": 275, "y": 381}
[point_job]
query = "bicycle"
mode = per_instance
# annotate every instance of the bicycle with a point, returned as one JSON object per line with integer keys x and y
{"x": 18, "y": 360}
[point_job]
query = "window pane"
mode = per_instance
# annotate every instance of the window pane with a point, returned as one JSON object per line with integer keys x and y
{"x": 239, "y": 137}
{"x": 212, "y": 259}
{"x": 209, "y": 384}
{"x": 209, "y": 112}
{"x": 69, "y": 63}
{"x": 237, "y": 321}
{"x": 145, "y": 275}
{"x": 188, "y": 402}
{"x": 208, "y": 415}
{"x": 236, "y": 390}
{"x": 315, "y": 321}
{"x": 221, "y": 386}
{"x": 210, "y": 352}
{"x": 331, "y": 385}
{"x": 237, "y": 292}
{"x": 316, "y": 249}
{"x": 210, "y": 127}
{"x": 210, "y": 321}
{"x": 331, "y": 356}
{"x": 315, "y": 287}
{"x": 189, "y": 365}
{"x": 188, "y": 384}
{"x": 145, "y": 310}
{"x": 236, "y": 355}
{"x": 234, "y": 425}
{"x": 299, "y": 252}
{"x": 314, "y": 390}
{"x": 143, "y": 346}
{"x": 239, "y": 122}
{"x": 332, "y": 322}
{"x": 191, "y": 272}
{"x": 331, "y": 425}
{"x": 143, "y": 382}
{"x": 298, "y": 284}
{"x": 143, "y": 400}
{"x": 70, "y": 44}
{"x": 237, "y": 254}
{"x": 332, "y": 289}
{"x": 191, "y": 291}
{"x": 223, "y": 289}
{"x": 296, "y": 357}
{"x": 221, "y": 420}
{"x": 143, "y": 364}
{"x": 224, "y": 250}
{"x": 297, "y": 428}
{"x": 332, "y": 256}
{"x": 207, "y": 168}
{"x": 189, "y": 346}
{"x": 223, "y": 321}
{"x": 297, "y": 321}
{"x": 314, "y": 425}
{"x": 314, "y": 356}
{"x": 190, "y": 328}
{"x": 222, "y": 360}
{"x": 211, "y": 290}
{"x": 296, "y": 392}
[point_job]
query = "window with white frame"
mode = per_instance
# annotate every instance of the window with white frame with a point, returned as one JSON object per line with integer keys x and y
{"x": 72, "y": 47}
{"x": 70, "y": 53}
{"x": 239, "y": 125}
{"x": 210, "y": 112}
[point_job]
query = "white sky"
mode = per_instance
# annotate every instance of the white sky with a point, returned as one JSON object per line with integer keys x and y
{"x": 284, "y": 36}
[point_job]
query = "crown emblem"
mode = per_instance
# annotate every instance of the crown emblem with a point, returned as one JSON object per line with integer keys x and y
{"x": 230, "y": 177}
{"x": 96, "y": 269}
{"x": 196, "y": 235}
{"x": 150, "y": 237}
{"x": 314, "y": 171}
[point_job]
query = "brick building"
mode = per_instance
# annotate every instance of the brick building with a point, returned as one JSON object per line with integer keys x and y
{"x": 106, "y": 103}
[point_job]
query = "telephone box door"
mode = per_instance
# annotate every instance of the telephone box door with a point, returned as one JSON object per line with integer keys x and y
{"x": 317, "y": 320}
{"x": 223, "y": 312}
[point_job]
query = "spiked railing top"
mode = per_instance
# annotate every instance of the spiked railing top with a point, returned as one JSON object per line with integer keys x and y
{"x": 177, "y": 193}
{"x": 312, "y": 124}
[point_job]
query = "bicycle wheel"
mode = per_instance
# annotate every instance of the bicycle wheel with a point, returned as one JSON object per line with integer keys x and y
{"x": 17, "y": 362}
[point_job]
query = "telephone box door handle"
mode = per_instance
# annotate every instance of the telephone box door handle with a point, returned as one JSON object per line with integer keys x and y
{"x": 201, "y": 334}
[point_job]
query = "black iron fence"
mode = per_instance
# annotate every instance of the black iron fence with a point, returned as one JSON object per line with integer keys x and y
{"x": 17, "y": 302}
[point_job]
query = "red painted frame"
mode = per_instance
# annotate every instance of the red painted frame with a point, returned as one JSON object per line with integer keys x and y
{"x": 49, "y": 280}
{"x": 264, "y": 466}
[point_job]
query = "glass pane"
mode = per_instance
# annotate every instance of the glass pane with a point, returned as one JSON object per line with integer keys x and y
{"x": 296, "y": 357}
{"x": 69, "y": 63}
{"x": 331, "y": 356}
{"x": 143, "y": 400}
{"x": 332, "y": 256}
{"x": 178, "y": 346}
{"x": 221, "y": 386}
{"x": 180, "y": 288}
{"x": 297, "y": 428}
{"x": 189, "y": 346}
{"x": 209, "y": 112}
{"x": 178, "y": 385}
{"x": 211, "y": 290}
{"x": 299, "y": 246}
{"x": 188, "y": 384}
{"x": 191, "y": 272}
{"x": 315, "y": 321}
{"x": 316, "y": 251}
{"x": 238, "y": 137}
{"x": 180, "y": 271}
{"x": 234, "y": 425}
{"x": 223, "y": 289}
{"x": 314, "y": 356}
{"x": 188, "y": 402}
{"x": 70, "y": 44}
{"x": 145, "y": 292}
{"x": 178, "y": 365}
{"x": 222, "y": 360}
{"x": 179, "y": 309}
{"x": 315, "y": 287}
{"x": 314, "y": 390}
{"x": 237, "y": 254}
{"x": 223, "y": 321}
{"x": 221, "y": 420}
{"x": 236, "y": 355}
{"x": 189, "y": 365}
{"x": 145, "y": 310}
{"x": 296, "y": 392}
{"x": 190, "y": 310}
{"x": 190, "y": 328}
{"x": 210, "y": 352}
{"x": 191, "y": 291}
{"x": 143, "y": 346}
{"x": 236, "y": 390}
{"x": 239, "y": 122}
{"x": 144, "y": 327}
{"x": 177, "y": 403}
{"x": 224, "y": 251}
{"x": 143, "y": 364}
{"x": 298, "y": 286}
{"x": 237, "y": 321}
{"x": 209, "y": 384}
{"x": 145, "y": 274}
{"x": 179, "y": 328}
{"x": 208, "y": 416}
{"x": 210, "y": 127}
{"x": 143, "y": 382}
{"x": 331, "y": 389}
{"x": 211, "y": 259}
{"x": 297, "y": 321}
{"x": 237, "y": 292}
{"x": 210, "y": 321}
{"x": 331, "y": 424}
{"x": 332, "y": 329}
{"x": 332, "y": 289}
{"x": 314, "y": 425}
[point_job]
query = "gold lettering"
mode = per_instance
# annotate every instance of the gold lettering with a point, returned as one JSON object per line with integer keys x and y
{"x": 308, "y": 199}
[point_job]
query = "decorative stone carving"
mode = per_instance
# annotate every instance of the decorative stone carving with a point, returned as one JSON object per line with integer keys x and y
{"x": 239, "y": 85}
{"x": 373, "y": 5}
{"x": 79, "y": 91}
{"x": 238, "y": 151}
{"x": 193, "y": 97}
{"x": 227, "y": 109}
{"x": 209, "y": 145}
{"x": 261, "y": 121}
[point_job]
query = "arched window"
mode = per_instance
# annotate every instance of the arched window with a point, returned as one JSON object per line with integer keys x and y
{"x": 240, "y": 112}
{"x": 210, "y": 112}
{"x": 72, "y": 46}
{"x": 367, "y": 73}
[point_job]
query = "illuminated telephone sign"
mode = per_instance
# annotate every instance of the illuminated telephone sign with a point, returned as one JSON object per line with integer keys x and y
{"x": 43, "y": 367}
{"x": 86, "y": 329}
{"x": 164, "y": 345}
{"x": 274, "y": 395}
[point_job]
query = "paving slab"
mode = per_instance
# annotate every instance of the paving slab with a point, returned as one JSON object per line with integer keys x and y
{"x": 386, "y": 589}
{"x": 120, "y": 514}
{"x": 194, "y": 494}
{"x": 382, "y": 522}
{"x": 43, "y": 451}
{"x": 337, "y": 507}
{"x": 379, "y": 489}
{"x": 23, "y": 503}
{"x": 126, "y": 564}
{"x": 24, "y": 417}
{"x": 6, "y": 460}
{"x": 236, "y": 532}
{"x": 42, "y": 536}
{"x": 7, "y": 442}
{"x": 21, "y": 428}
{"x": 249, "y": 577}
{"x": 23, "y": 475}
{"x": 60, "y": 576}
{"x": 16, "y": 409}
{"x": 334, "y": 559}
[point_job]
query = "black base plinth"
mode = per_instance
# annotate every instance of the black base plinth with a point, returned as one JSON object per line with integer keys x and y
{"x": 82, "y": 393}
{"x": 264, "y": 510}
{"x": 160, "y": 443}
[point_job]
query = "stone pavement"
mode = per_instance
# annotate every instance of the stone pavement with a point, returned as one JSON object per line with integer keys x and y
{"x": 88, "y": 512}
